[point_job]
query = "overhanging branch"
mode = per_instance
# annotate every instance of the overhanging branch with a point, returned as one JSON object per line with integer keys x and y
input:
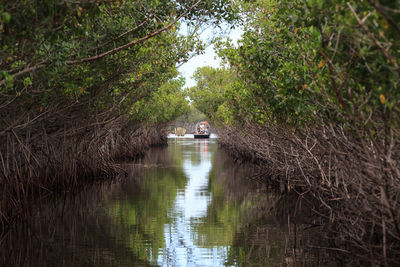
{"x": 110, "y": 52}
{"x": 141, "y": 40}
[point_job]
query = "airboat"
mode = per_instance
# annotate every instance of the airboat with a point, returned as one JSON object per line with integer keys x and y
{"x": 202, "y": 130}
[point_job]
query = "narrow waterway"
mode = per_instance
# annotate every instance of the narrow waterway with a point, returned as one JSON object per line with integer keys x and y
{"x": 187, "y": 204}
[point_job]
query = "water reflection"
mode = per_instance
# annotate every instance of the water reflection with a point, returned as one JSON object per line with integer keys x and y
{"x": 190, "y": 206}
{"x": 182, "y": 205}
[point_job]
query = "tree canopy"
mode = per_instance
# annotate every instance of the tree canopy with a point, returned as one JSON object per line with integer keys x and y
{"x": 83, "y": 82}
{"x": 301, "y": 62}
{"x": 313, "y": 97}
{"x": 104, "y": 51}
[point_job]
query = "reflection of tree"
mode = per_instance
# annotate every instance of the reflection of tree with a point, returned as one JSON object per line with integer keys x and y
{"x": 107, "y": 224}
{"x": 230, "y": 202}
{"x": 279, "y": 231}
{"x": 260, "y": 228}
{"x": 69, "y": 231}
{"x": 193, "y": 149}
{"x": 122, "y": 223}
{"x": 141, "y": 210}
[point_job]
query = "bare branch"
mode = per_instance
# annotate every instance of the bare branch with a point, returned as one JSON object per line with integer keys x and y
{"x": 26, "y": 70}
{"x": 141, "y": 40}
{"x": 377, "y": 43}
{"x": 124, "y": 34}
{"x": 110, "y": 52}
{"x": 380, "y": 10}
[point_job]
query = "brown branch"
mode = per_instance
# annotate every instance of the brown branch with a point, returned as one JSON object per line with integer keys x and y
{"x": 377, "y": 43}
{"x": 123, "y": 34}
{"x": 332, "y": 72}
{"x": 27, "y": 69}
{"x": 113, "y": 51}
{"x": 141, "y": 40}
{"x": 87, "y": 2}
{"x": 378, "y": 8}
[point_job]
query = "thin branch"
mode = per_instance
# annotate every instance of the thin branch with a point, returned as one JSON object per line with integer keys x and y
{"x": 332, "y": 71}
{"x": 124, "y": 34}
{"x": 113, "y": 51}
{"x": 87, "y": 2}
{"x": 141, "y": 40}
{"x": 377, "y": 43}
{"x": 378, "y": 8}
{"x": 27, "y": 69}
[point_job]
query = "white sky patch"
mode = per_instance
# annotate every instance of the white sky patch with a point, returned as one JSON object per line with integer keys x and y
{"x": 209, "y": 58}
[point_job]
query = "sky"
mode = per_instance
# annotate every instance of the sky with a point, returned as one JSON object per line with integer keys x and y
{"x": 209, "y": 58}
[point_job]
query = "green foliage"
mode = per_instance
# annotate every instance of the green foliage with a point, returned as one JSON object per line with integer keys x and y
{"x": 192, "y": 116}
{"x": 209, "y": 92}
{"x": 163, "y": 105}
{"x": 308, "y": 61}
{"x": 44, "y": 44}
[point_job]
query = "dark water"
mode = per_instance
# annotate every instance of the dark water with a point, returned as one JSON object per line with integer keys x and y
{"x": 187, "y": 204}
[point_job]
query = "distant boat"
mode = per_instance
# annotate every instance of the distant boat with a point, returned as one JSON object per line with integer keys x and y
{"x": 202, "y": 130}
{"x": 180, "y": 131}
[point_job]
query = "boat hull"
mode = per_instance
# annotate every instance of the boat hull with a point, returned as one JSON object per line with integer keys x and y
{"x": 201, "y": 136}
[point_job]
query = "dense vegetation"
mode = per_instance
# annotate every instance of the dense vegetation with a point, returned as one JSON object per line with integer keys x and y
{"x": 85, "y": 82}
{"x": 137, "y": 221}
{"x": 311, "y": 93}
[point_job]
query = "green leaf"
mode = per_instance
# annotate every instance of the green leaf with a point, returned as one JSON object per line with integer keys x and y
{"x": 27, "y": 81}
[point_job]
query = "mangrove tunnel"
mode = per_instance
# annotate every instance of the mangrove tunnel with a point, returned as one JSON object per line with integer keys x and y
{"x": 302, "y": 167}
